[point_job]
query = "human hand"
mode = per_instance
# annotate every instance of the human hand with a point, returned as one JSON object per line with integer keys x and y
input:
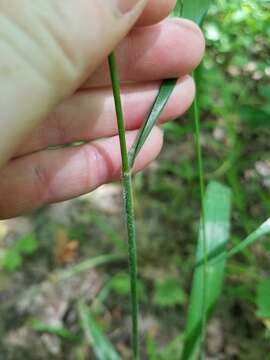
{"x": 50, "y": 69}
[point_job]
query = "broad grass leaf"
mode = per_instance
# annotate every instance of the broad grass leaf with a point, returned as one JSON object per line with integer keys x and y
{"x": 100, "y": 344}
{"x": 217, "y": 229}
{"x": 161, "y": 100}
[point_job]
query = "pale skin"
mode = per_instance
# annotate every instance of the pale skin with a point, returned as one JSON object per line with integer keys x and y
{"x": 55, "y": 90}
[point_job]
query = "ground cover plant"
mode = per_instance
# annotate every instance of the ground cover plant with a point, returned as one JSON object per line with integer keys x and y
{"x": 231, "y": 148}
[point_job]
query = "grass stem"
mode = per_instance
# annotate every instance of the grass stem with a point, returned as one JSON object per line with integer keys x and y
{"x": 198, "y": 145}
{"x": 129, "y": 207}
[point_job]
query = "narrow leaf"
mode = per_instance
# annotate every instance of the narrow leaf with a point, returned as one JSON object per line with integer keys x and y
{"x": 217, "y": 228}
{"x": 262, "y": 230}
{"x": 218, "y": 254}
{"x": 194, "y": 10}
{"x": 100, "y": 344}
{"x": 86, "y": 265}
{"x": 162, "y": 98}
{"x": 61, "y": 332}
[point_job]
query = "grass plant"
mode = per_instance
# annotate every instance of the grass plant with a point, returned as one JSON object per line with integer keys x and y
{"x": 129, "y": 208}
{"x": 214, "y": 230}
{"x": 182, "y": 8}
{"x": 205, "y": 210}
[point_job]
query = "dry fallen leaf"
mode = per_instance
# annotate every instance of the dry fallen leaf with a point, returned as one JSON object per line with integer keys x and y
{"x": 66, "y": 250}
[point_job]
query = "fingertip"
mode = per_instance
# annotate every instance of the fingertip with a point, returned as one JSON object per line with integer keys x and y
{"x": 187, "y": 84}
{"x": 186, "y": 45}
{"x": 195, "y": 35}
{"x": 155, "y": 11}
{"x": 150, "y": 150}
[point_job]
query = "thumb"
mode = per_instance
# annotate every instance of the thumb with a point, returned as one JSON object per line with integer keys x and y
{"x": 48, "y": 48}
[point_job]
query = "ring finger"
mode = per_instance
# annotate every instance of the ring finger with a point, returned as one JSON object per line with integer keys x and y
{"x": 90, "y": 114}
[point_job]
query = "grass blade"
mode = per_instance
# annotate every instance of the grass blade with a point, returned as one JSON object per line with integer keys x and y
{"x": 86, "y": 265}
{"x": 194, "y": 10}
{"x": 61, "y": 332}
{"x": 161, "y": 100}
{"x": 262, "y": 230}
{"x": 219, "y": 255}
{"x": 101, "y": 346}
{"x": 217, "y": 228}
{"x": 195, "y": 112}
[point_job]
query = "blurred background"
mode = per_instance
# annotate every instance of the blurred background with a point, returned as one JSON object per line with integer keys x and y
{"x": 76, "y": 250}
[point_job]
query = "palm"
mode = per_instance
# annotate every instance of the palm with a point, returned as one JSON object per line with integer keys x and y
{"x": 38, "y": 175}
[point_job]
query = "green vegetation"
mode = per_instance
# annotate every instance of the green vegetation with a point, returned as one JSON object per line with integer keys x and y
{"x": 208, "y": 297}
{"x": 129, "y": 208}
{"x": 13, "y": 257}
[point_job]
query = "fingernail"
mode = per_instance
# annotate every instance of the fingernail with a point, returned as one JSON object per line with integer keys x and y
{"x": 123, "y": 7}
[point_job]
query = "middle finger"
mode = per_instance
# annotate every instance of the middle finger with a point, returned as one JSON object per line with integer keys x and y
{"x": 171, "y": 48}
{"x": 90, "y": 114}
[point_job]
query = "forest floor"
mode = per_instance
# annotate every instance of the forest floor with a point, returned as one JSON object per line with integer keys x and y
{"x": 39, "y": 290}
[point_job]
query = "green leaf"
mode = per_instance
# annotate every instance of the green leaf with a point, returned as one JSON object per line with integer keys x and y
{"x": 13, "y": 257}
{"x": 151, "y": 348}
{"x": 12, "y": 260}
{"x": 192, "y": 9}
{"x": 100, "y": 344}
{"x": 218, "y": 255}
{"x": 168, "y": 292}
{"x": 172, "y": 349}
{"x": 195, "y": 9}
{"x": 263, "y": 299}
{"x": 121, "y": 285}
{"x": 262, "y": 230}
{"x": 264, "y": 91}
{"x": 254, "y": 117}
{"x": 87, "y": 265}
{"x": 161, "y": 100}
{"x": 27, "y": 245}
{"x": 61, "y": 332}
{"x": 217, "y": 229}
{"x": 177, "y": 11}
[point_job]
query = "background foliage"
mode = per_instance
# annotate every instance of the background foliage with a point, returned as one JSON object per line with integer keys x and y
{"x": 41, "y": 283}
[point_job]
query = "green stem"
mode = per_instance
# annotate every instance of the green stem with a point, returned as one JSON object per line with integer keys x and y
{"x": 196, "y": 119}
{"x": 129, "y": 206}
